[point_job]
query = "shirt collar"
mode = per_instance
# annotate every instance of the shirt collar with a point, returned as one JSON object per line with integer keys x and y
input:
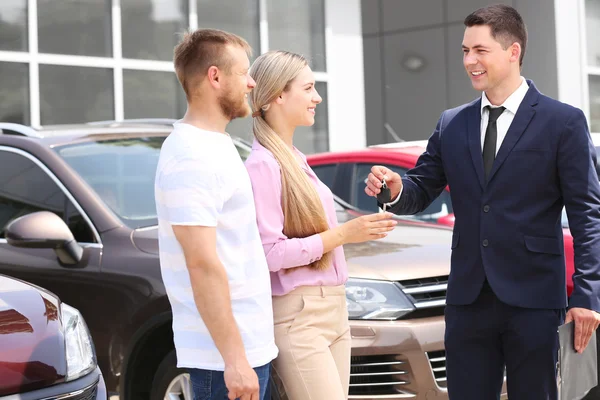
{"x": 513, "y": 101}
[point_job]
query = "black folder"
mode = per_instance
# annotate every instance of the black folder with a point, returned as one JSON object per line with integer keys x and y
{"x": 577, "y": 373}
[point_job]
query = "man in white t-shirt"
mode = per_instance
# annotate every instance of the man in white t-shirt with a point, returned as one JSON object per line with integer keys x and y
{"x": 212, "y": 261}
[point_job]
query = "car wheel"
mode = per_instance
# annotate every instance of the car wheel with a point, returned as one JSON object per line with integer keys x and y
{"x": 170, "y": 382}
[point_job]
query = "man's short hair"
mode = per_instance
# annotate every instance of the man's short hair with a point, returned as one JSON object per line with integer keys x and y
{"x": 506, "y": 25}
{"x": 201, "y": 49}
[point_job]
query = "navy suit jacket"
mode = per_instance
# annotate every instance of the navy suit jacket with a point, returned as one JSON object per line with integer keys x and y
{"x": 508, "y": 229}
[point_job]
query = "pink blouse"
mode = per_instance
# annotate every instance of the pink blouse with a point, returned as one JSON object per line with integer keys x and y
{"x": 281, "y": 251}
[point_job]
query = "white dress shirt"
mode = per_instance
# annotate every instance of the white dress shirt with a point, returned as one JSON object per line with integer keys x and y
{"x": 503, "y": 122}
{"x": 511, "y": 104}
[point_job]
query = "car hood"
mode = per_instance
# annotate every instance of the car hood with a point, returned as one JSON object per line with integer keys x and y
{"x": 32, "y": 350}
{"x": 410, "y": 251}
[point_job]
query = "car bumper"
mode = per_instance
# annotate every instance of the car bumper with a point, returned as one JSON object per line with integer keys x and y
{"x": 402, "y": 359}
{"x": 89, "y": 387}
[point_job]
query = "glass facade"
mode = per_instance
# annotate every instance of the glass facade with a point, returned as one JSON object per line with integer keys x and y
{"x": 13, "y": 25}
{"x": 75, "y": 94}
{"x": 152, "y": 93}
{"x": 151, "y": 28}
{"x": 14, "y": 93}
{"x": 592, "y": 25}
{"x": 299, "y": 26}
{"x": 237, "y": 16}
{"x": 93, "y": 60}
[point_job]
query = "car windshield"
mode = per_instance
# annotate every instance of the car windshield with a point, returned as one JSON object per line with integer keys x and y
{"x": 121, "y": 172}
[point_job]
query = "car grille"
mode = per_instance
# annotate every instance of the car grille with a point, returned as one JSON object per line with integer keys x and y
{"x": 427, "y": 294}
{"x": 379, "y": 375}
{"x": 437, "y": 359}
{"x": 85, "y": 394}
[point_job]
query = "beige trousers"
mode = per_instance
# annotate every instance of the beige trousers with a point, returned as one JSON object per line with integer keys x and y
{"x": 313, "y": 337}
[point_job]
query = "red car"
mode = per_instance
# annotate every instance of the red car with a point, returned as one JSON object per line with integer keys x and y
{"x": 345, "y": 174}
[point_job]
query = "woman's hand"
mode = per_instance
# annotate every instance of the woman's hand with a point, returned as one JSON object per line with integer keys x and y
{"x": 367, "y": 227}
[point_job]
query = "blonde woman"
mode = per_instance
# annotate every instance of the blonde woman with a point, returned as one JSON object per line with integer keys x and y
{"x": 300, "y": 235}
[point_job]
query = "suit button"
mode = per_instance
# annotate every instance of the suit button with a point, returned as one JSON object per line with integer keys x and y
{"x": 486, "y": 208}
{"x": 485, "y": 243}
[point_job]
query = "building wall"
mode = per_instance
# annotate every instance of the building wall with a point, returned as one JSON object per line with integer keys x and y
{"x": 413, "y": 61}
{"x": 578, "y": 54}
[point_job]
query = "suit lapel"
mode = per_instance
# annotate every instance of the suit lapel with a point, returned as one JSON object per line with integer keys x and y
{"x": 518, "y": 126}
{"x": 474, "y": 137}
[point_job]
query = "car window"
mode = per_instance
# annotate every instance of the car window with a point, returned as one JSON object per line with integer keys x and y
{"x": 243, "y": 149}
{"x": 26, "y": 188}
{"x": 359, "y": 198}
{"x": 122, "y": 172}
{"x": 440, "y": 207}
{"x": 326, "y": 174}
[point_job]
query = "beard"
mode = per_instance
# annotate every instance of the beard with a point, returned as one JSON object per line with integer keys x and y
{"x": 234, "y": 105}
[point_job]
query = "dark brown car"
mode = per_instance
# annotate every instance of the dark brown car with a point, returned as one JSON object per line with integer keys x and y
{"x": 97, "y": 249}
{"x": 46, "y": 351}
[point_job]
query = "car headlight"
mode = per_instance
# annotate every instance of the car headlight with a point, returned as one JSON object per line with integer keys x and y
{"x": 370, "y": 299}
{"x": 81, "y": 356}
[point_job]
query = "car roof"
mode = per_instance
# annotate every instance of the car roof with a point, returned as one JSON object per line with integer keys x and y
{"x": 418, "y": 146}
{"x": 58, "y": 135}
{"x": 64, "y": 134}
{"x": 400, "y": 145}
{"x": 414, "y": 147}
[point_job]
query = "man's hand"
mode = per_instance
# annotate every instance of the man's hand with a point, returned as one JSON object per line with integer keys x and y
{"x": 210, "y": 287}
{"x": 241, "y": 381}
{"x": 392, "y": 179}
{"x": 586, "y": 322}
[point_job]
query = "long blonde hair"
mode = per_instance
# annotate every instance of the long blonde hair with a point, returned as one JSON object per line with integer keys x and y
{"x": 303, "y": 210}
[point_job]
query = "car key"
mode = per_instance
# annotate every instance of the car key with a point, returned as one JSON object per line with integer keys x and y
{"x": 385, "y": 196}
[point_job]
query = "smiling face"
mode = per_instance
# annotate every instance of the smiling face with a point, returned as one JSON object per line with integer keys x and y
{"x": 299, "y": 101}
{"x": 490, "y": 66}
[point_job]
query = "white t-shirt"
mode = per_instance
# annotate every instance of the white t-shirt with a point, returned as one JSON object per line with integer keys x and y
{"x": 201, "y": 180}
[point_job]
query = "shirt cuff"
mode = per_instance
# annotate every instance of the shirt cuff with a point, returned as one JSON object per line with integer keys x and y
{"x": 397, "y": 198}
{"x": 315, "y": 247}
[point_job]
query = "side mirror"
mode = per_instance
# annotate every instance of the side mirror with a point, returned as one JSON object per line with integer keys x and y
{"x": 45, "y": 230}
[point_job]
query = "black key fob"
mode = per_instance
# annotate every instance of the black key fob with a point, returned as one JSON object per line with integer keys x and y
{"x": 385, "y": 196}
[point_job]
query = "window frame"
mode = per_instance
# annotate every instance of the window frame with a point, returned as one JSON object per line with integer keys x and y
{"x": 117, "y": 63}
{"x": 63, "y": 189}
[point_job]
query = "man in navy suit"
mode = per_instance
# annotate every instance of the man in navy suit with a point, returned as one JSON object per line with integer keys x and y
{"x": 512, "y": 158}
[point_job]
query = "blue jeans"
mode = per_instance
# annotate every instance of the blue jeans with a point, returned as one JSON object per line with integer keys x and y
{"x": 210, "y": 385}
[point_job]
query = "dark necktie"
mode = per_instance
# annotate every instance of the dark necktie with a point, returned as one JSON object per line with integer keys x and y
{"x": 491, "y": 137}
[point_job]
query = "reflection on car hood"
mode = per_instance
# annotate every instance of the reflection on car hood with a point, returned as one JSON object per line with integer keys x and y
{"x": 410, "y": 251}
{"x": 32, "y": 350}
